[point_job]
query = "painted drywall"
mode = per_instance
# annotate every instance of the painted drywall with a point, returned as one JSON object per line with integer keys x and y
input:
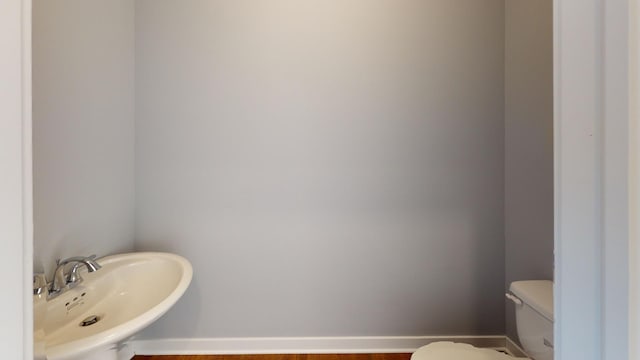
{"x": 83, "y": 128}
{"x": 330, "y": 168}
{"x": 634, "y": 178}
{"x": 528, "y": 144}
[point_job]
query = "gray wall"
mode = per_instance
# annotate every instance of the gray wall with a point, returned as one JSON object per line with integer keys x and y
{"x": 83, "y": 128}
{"x": 329, "y": 167}
{"x": 528, "y": 143}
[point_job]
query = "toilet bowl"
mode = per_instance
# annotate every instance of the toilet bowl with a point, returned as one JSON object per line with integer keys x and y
{"x": 534, "y": 322}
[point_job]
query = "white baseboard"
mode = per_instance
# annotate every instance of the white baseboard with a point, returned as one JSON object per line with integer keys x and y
{"x": 514, "y": 348}
{"x": 302, "y": 345}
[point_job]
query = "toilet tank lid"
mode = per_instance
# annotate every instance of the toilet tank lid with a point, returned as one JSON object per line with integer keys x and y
{"x": 536, "y": 293}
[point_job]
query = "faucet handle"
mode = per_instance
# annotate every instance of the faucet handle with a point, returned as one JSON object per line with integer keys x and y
{"x": 39, "y": 283}
{"x": 73, "y": 277}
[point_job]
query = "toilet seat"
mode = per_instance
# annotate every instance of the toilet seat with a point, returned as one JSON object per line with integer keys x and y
{"x": 446, "y": 350}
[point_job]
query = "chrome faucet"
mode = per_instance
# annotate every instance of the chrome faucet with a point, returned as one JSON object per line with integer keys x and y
{"x": 62, "y": 281}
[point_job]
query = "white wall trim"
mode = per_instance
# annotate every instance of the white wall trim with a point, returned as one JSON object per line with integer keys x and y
{"x": 27, "y": 179}
{"x": 302, "y": 345}
{"x": 15, "y": 179}
{"x": 592, "y": 168}
{"x": 514, "y": 349}
{"x": 578, "y": 184}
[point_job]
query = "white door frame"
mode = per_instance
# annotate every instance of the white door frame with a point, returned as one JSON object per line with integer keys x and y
{"x": 593, "y": 205}
{"x": 594, "y": 208}
{"x": 16, "y": 245}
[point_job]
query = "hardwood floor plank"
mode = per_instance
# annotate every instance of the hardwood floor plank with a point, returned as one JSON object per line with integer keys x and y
{"x": 402, "y": 356}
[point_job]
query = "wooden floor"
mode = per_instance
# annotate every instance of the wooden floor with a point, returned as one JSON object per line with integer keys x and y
{"x": 279, "y": 357}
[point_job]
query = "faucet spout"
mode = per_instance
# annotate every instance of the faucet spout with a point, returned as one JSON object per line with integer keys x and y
{"x": 62, "y": 280}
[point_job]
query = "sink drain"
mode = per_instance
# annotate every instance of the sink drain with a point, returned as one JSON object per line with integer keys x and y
{"x": 90, "y": 320}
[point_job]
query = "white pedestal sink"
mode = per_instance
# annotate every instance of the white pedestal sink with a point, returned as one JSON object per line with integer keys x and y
{"x": 130, "y": 292}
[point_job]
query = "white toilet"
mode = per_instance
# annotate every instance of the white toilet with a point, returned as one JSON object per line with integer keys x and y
{"x": 534, "y": 321}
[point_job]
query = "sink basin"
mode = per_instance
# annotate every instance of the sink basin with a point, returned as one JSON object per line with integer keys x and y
{"x": 130, "y": 292}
